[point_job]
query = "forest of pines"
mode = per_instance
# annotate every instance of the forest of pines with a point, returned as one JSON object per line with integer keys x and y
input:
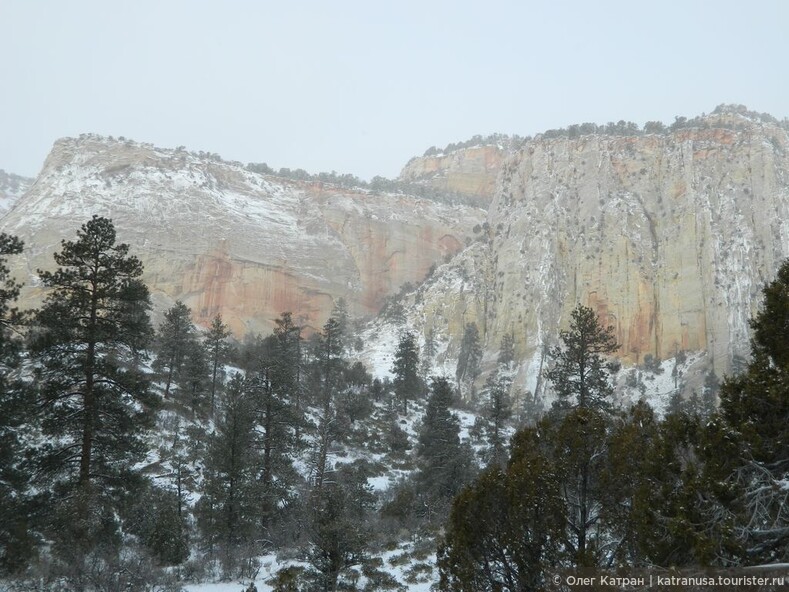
{"x": 141, "y": 458}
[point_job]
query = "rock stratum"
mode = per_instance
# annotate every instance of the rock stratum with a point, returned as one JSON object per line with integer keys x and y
{"x": 469, "y": 172}
{"x": 224, "y": 239}
{"x": 669, "y": 236}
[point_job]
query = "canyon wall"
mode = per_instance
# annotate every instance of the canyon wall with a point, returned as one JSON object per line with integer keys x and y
{"x": 224, "y": 239}
{"x": 669, "y": 237}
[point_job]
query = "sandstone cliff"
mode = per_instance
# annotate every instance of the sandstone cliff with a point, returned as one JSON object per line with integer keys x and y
{"x": 468, "y": 172}
{"x": 669, "y": 237}
{"x": 224, "y": 239}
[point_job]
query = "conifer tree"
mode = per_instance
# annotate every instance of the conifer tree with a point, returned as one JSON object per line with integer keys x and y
{"x": 95, "y": 403}
{"x": 274, "y": 441}
{"x": 194, "y": 379}
{"x": 336, "y": 535}
{"x": 507, "y": 349}
{"x": 470, "y": 355}
{"x": 755, "y": 404}
{"x": 228, "y": 509}
{"x": 176, "y": 337}
{"x": 506, "y": 528}
{"x": 428, "y": 353}
{"x": 94, "y": 400}
{"x": 444, "y": 464}
{"x": 342, "y": 318}
{"x": 405, "y": 369}
{"x": 580, "y": 374}
{"x": 287, "y": 372}
{"x": 218, "y": 351}
{"x": 497, "y": 411}
{"x": 16, "y": 543}
{"x": 580, "y": 377}
{"x": 331, "y": 360}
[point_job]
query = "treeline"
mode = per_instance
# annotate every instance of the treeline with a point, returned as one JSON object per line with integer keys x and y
{"x": 377, "y": 184}
{"x": 628, "y": 128}
{"x": 503, "y": 140}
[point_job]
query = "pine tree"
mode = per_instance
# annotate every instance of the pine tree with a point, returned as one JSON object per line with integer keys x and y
{"x": 581, "y": 379}
{"x": 94, "y": 400}
{"x": 407, "y": 384}
{"x": 194, "y": 380}
{"x": 428, "y": 353}
{"x": 470, "y": 355}
{"x": 176, "y": 337}
{"x": 228, "y": 509}
{"x": 444, "y": 464}
{"x": 16, "y": 542}
{"x": 274, "y": 441}
{"x": 624, "y": 480}
{"x": 331, "y": 360}
{"x": 337, "y": 539}
{"x": 342, "y": 318}
{"x": 497, "y": 411}
{"x": 95, "y": 403}
{"x": 287, "y": 372}
{"x": 580, "y": 375}
{"x": 507, "y": 349}
{"x": 755, "y": 405}
{"x": 678, "y": 514}
{"x": 506, "y": 528}
{"x": 218, "y": 351}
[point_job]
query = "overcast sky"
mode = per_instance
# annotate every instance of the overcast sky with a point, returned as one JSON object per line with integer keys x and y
{"x": 361, "y": 86}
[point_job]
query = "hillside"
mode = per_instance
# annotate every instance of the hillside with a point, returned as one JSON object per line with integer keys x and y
{"x": 223, "y": 238}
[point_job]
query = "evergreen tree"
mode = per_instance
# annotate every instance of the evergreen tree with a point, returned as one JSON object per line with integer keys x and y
{"x": 580, "y": 375}
{"x": 287, "y": 368}
{"x": 470, "y": 355}
{"x": 194, "y": 379}
{"x": 505, "y": 529}
{"x": 624, "y": 480}
{"x": 497, "y": 411}
{"x": 444, "y": 464}
{"x": 578, "y": 444}
{"x": 274, "y": 440}
{"x": 336, "y": 536}
{"x": 709, "y": 395}
{"x": 96, "y": 404}
{"x": 228, "y": 509}
{"x": 16, "y": 541}
{"x": 342, "y": 318}
{"x": 507, "y": 349}
{"x": 331, "y": 360}
{"x": 678, "y": 513}
{"x": 218, "y": 351}
{"x": 581, "y": 379}
{"x": 174, "y": 342}
{"x": 428, "y": 353}
{"x": 755, "y": 404}
{"x": 407, "y": 384}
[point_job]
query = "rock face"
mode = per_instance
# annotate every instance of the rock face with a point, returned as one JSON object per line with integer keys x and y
{"x": 469, "y": 172}
{"x": 669, "y": 237}
{"x": 12, "y": 187}
{"x": 224, "y": 239}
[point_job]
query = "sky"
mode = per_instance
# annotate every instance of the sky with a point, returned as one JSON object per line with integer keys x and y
{"x": 362, "y": 86}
